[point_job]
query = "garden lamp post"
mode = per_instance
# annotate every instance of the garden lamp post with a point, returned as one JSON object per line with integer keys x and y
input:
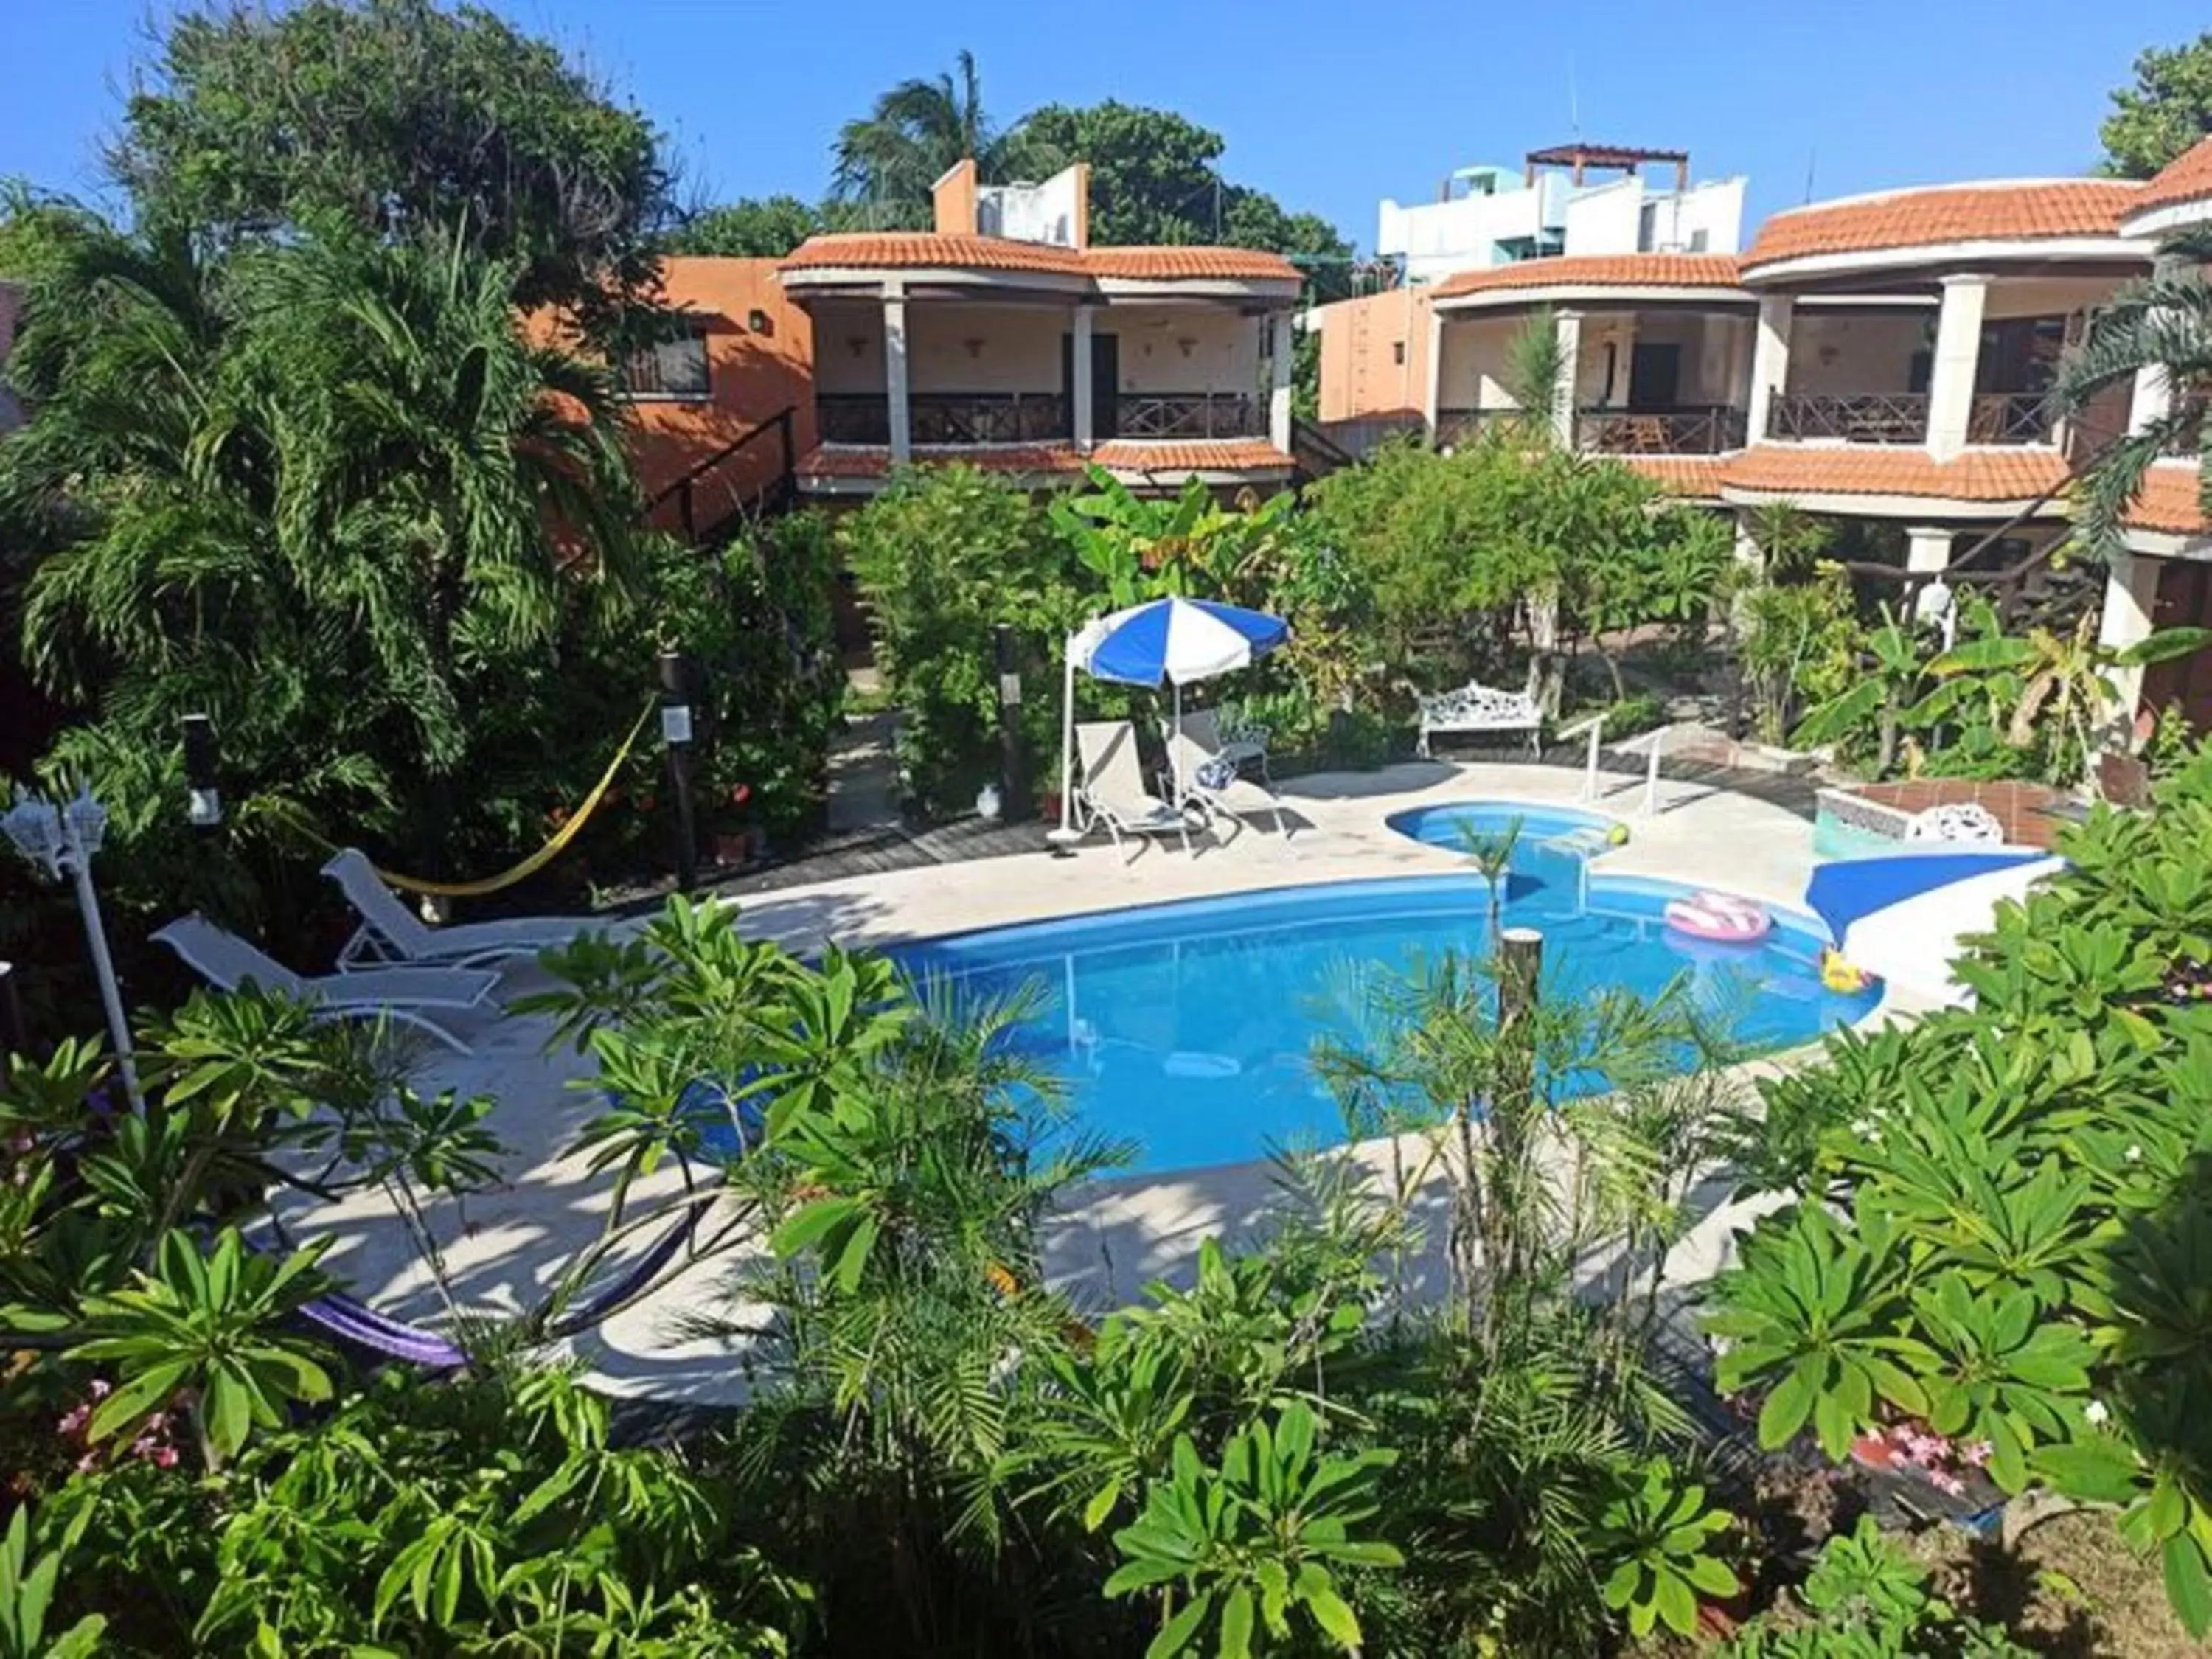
{"x": 676, "y": 681}
{"x": 204, "y": 801}
{"x": 59, "y": 838}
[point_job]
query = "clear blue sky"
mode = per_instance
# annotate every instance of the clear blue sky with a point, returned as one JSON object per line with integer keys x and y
{"x": 1329, "y": 106}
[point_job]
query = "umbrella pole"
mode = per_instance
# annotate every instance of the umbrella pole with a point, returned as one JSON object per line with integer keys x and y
{"x": 1068, "y": 742}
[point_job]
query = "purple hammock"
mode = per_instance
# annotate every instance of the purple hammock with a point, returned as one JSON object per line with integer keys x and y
{"x": 359, "y": 1326}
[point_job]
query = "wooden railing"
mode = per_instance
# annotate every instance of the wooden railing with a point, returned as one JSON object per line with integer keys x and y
{"x": 988, "y": 417}
{"x": 2012, "y": 417}
{"x": 1459, "y": 426}
{"x": 848, "y": 417}
{"x": 1699, "y": 431}
{"x": 1858, "y": 417}
{"x": 711, "y": 493}
{"x": 1189, "y": 415}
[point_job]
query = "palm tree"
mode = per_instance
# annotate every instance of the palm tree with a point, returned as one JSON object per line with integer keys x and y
{"x": 890, "y": 158}
{"x": 2163, "y": 322}
{"x": 446, "y": 480}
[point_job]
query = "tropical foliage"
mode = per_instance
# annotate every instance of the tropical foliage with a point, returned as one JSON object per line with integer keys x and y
{"x": 1997, "y": 1207}
{"x": 2168, "y": 108}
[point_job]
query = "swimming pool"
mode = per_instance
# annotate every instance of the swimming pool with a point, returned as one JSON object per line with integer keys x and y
{"x": 1188, "y": 1027}
{"x": 1449, "y": 824}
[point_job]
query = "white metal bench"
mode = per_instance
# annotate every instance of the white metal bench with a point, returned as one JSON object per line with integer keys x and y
{"x": 1475, "y": 707}
{"x": 1966, "y": 821}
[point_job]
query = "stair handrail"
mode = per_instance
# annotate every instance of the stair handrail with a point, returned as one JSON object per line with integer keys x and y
{"x": 780, "y": 422}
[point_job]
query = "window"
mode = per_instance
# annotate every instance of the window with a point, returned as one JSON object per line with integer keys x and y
{"x": 1397, "y": 352}
{"x": 1700, "y": 240}
{"x": 674, "y": 367}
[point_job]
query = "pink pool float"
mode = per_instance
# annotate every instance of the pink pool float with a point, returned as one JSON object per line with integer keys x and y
{"x": 1720, "y": 918}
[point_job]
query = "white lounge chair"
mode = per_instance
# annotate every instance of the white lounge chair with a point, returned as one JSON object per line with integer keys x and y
{"x": 1207, "y": 778}
{"x": 390, "y": 932}
{"x": 228, "y": 962}
{"x": 1112, "y": 790}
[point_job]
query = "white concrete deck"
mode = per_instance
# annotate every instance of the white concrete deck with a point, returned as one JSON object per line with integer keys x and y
{"x": 504, "y": 1249}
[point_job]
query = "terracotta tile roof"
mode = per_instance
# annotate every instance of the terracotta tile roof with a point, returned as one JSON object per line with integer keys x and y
{"x": 2029, "y": 210}
{"x": 1979, "y": 475}
{"x": 1170, "y": 263}
{"x": 914, "y": 250}
{"x": 1598, "y": 270}
{"x": 908, "y": 250}
{"x": 2169, "y": 502}
{"x": 1681, "y": 475}
{"x": 2187, "y": 179}
{"x": 1222, "y": 455}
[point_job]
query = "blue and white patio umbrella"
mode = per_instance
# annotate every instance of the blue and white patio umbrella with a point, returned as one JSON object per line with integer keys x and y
{"x": 1173, "y": 640}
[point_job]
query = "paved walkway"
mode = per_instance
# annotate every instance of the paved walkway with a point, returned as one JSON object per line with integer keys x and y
{"x": 504, "y": 1249}
{"x": 864, "y": 783}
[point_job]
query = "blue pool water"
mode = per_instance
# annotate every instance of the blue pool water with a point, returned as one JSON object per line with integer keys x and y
{"x": 1449, "y": 824}
{"x": 1187, "y": 1028}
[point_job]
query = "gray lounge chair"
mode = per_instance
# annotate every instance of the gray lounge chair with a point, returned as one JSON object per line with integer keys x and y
{"x": 1112, "y": 791}
{"x": 1207, "y": 779}
{"x": 228, "y": 962}
{"x": 391, "y": 932}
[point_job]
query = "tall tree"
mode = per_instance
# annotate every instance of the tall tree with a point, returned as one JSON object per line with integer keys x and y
{"x": 890, "y": 158}
{"x": 2167, "y": 109}
{"x": 399, "y": 119}
{"x": 757, "y": 228}
{"x": 1155, "y": 178}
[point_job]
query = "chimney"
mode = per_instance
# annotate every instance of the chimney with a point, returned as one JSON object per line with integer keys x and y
{"x": 953, "y": 198}
{"x": 1080, "y": 222}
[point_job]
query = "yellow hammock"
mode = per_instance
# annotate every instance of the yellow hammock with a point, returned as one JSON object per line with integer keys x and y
{"x": 545, "y": 854}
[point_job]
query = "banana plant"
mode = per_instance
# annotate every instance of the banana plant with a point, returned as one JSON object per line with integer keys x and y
{"x": 1248, "y": 1552}
{"x": 1890, "y": 674}
{"x": 1663, "y": 1533}
{"x": 2065, "y": 680}
{"x": 211, "y": 1323}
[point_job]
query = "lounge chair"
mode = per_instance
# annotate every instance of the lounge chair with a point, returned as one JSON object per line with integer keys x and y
{"x": 1239, "y": 741}
{"x": 390, "y": 932}
{"x": 228, "y": 962}
{"x": 1207, "y": 779}
{"x": 1112, "y": 790}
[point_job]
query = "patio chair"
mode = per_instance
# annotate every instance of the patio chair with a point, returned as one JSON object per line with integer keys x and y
{"x": 228, "y": 962}
{"x": 1207, "y": 778}
{"x": 1240, "y": 742}
{"x": 391, "y": 932}
{"x": 1112, "y": 790}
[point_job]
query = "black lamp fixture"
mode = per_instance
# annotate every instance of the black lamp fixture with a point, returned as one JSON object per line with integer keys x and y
{"x": 758, "y": 321}
{"x": 204, "y": 801}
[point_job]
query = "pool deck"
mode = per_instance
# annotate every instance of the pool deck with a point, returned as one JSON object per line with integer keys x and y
{"x": 503, "y": 1248}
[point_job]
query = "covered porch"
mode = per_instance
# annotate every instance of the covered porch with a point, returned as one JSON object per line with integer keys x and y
{"x": 1639, "y": 379}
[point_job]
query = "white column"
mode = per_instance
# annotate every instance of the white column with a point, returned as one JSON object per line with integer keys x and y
{"x": 2130, "y": 602}
{"x": 902, "y": 427}
{"x": 1079, "y": 388}
{"x": 1770, "y": 361}
{"x": 1958, "y": 354}
{"x": 2152, "y": 400}
{"x": 1279, "y": 349}
{"x": 1569, "y": 326}
{"x": 1436, "y": 368}
{"x": 1928, "y": 549}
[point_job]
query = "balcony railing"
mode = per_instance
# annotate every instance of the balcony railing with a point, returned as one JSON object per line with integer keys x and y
{"x": 1701, "y": 431}
{"x": 2012, "y": 417}
{"x": 854, "y": 417}
{"x": 1459, "y": 426}
{"x": 945, "y": 418}
{"x": 989, "y": 418}
{"x": 1189, "y": 415}
{"x": 1855, "y": 417}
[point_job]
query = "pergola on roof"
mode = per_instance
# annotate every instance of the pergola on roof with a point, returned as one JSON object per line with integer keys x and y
{"x": 1580, "y": 157}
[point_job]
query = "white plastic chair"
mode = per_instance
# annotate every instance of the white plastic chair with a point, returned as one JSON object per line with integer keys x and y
{"x": 1112, "y": 790}
{"x": 228, "y": 962}
{"x": 390, "y": 932}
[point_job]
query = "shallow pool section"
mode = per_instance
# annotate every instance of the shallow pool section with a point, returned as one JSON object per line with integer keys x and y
{"x": 1449, "y": 824}
{"x": 1189, "y": 1028}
